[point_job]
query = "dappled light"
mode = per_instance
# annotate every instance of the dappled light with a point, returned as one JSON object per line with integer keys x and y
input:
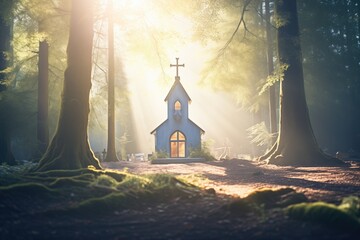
{"x": 181, "y": 119}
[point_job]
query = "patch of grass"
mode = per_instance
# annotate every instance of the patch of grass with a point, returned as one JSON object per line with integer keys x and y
{"x": 340, "y": 217}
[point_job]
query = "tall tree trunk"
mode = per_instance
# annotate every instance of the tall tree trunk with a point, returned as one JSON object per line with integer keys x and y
{"x": 6, "y": 155}
{"x": 43, "y": 97}
{"x": 272, "y": 99}
{"x": 69, "y": 148}
{"x": 111, "y": 152}
{"x": 296, "y": 144}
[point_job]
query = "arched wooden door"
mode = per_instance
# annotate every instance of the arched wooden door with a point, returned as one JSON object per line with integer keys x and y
{"x": 177, "y": 144}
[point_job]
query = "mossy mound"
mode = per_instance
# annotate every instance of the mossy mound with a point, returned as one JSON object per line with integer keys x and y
{"x": 133, "y": 192}
{"x": 260, "y": 200}
{"x": 344, "y": 217}
{"x": 269, "y": 198}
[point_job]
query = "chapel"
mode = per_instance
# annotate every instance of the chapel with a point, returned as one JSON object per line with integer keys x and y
{"x": 177, "y": 135}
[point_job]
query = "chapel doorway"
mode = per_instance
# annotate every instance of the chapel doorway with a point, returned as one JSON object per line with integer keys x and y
{"x": 177, "y": 145}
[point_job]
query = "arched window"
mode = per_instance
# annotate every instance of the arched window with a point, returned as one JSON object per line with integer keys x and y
{"x": 177, "y": 106}
{"x": 177, "y": 144}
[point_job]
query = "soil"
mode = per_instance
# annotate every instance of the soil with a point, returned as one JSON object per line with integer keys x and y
{"x": 239, "y": 177}
{"x": 195, "y": 217}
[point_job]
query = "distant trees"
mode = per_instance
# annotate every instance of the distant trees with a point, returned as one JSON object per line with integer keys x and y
{"x": 111, "y": 152}
{"x": 6, "y": 155}
{"x": 331, "y": 50}
{"x": 69, "y": 148}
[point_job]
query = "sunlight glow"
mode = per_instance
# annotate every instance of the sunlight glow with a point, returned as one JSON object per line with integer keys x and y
{"x": 148, "y": 37}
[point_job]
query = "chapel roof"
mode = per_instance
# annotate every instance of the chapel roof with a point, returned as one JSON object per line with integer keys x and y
{"x": 177, "y": 82}
{"x": 201, "y": 130}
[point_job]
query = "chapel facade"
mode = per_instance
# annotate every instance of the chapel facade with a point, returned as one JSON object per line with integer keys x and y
{"x": 177, "y": 135}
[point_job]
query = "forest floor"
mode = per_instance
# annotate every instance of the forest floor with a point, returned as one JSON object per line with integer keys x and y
{"x": 209, "y": 213}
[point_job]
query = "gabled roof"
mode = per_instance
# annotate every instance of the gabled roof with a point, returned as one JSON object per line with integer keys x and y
{"x": 201, "y": 130}
{"x": 177, "y": 82}
{"x": 153, "y": 131}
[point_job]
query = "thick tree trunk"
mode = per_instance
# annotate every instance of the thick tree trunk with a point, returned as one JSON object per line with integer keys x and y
{"x": 6, "y": 155}
{"x": 70, "y": 149}
{"x": 296, "y": 144}
{"x": 111, "y": 152}
{"x": 43, "y": 98}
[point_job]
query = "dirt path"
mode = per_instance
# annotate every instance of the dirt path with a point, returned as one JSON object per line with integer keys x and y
{"x": 240, "y": 177}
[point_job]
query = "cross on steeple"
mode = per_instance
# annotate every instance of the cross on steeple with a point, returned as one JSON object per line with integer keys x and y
{"x": 177, "y": 65}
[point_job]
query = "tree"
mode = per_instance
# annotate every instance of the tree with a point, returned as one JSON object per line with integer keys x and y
{"x": 6, "y": 155}
{"x": 270, "y": 64}
{"x": 296, "y": 144}
{"x": 111, "y": 153}
{"x": 43, "y": 97}
{"x": 69, "y": 148}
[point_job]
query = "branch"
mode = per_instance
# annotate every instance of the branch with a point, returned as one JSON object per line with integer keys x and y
{"x": 241, "y": 21}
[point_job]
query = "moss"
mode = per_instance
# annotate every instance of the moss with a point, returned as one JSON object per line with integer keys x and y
{"x": 325, "y": 213}
{"x": 117, "y": 175}
{"x": 270, "y": 198}
{"x": 102, "y": 205}
{"x": 105, "y": 180}
{"x": 133, "y": 192}
{"x": 63, "y": 173}
{"x": 133, "y": 182}
{"x": 257, "y": 201}
{"x": 351, "y": 205}
{"x": 69, "y": 182}
{"x": 31, "y": 189}
{"x": 242, "y": 207}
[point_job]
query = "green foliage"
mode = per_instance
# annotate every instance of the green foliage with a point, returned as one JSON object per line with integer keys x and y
{"x": 340, "y": 217}
{"x": 260, "y": 135}
{"x": 278, "y": 75}
{"x": 203, "y": 152}
{"x": 238, "y": 67}
{"x": 159, "y": 154}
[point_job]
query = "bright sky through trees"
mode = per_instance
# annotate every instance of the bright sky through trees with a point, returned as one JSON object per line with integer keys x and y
{"x": 149, "y": 35}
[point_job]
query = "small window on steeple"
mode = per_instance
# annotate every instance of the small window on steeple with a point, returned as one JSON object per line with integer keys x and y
{"x": 177, "y": 106}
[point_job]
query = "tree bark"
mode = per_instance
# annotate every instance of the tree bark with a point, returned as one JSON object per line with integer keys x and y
{"x": 69, "y": 148}
{"x": 43, "y": 98}
{"x": 6, "y": 155}
{"x": 272, "y": 98}
{"x": 296, "y": 144}
{"x": 111, "y": 152}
